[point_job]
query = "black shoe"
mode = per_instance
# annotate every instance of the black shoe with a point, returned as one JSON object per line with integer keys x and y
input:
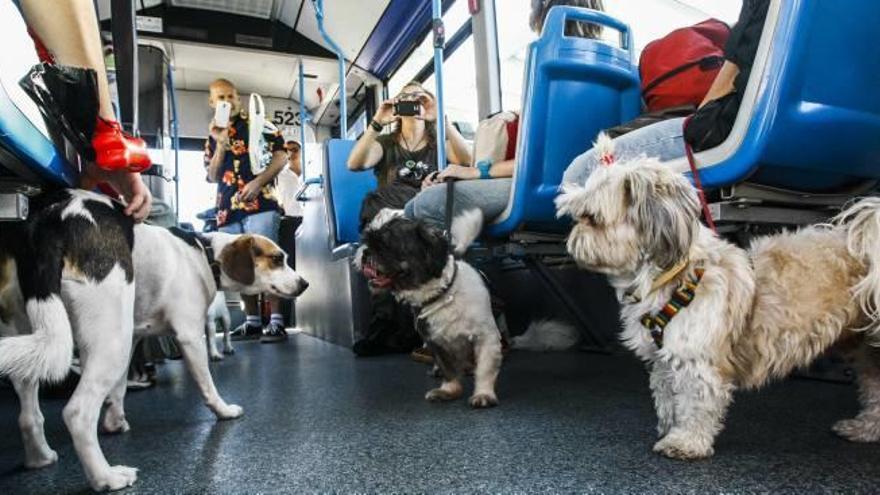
{"x": 274, "y": 332}
{"x": 246, "y": 332}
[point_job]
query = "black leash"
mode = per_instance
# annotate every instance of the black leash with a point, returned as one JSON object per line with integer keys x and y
{"x": 450, "y": 200}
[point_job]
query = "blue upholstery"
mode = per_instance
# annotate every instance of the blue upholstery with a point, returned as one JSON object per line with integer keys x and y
{"x": 24, "y": 141}
{"x": 344, "y": 191}
{"x": 815, "y": 124}
{"x": 573, "y": 89}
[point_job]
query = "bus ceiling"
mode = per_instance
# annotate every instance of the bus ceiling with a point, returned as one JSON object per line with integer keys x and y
{"x": 258, "y": 43}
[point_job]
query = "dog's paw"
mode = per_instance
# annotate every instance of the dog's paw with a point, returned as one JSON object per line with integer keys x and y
{"x": 440, "y": 395}
{"x": 113, "y": 426}
{"x": 482, "y": 401}
{"x": 40, "y": 459}
{"x": 216, "y": 357}
{"x": 229, "y": 411}
{"x": 684, "y": 446}
{"x": 114, "y": 478}
{"x": 858, "y": 430}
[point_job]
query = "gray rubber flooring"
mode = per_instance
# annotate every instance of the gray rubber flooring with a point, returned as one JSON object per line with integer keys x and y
{"x": 319, "y": 420}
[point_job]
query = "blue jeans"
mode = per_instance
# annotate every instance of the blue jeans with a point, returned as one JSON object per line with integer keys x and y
{"x": 264, "y": 223}
{"x": 661, "y": 140}
{"x": 489, "y": 195}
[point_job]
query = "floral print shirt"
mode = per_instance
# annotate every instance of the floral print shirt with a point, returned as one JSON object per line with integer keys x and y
{"x": 235, "y": 173}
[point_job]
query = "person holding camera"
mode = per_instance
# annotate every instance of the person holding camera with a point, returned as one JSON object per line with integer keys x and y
{"x": 246, "y": 202}
{"x": 404, "y": 160}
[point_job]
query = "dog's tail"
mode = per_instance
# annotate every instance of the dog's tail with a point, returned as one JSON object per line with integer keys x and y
{"x": 547, "y": 336}
{"x": 465, "y": 229}
{"x": 45, "y": 354}
{"x": 861, "y": 223}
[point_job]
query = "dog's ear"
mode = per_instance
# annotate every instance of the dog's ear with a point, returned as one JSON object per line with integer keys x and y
{"x": 237, "y": 260}
{"x": 436, "y": 247}
{"x": 665, "y": 209}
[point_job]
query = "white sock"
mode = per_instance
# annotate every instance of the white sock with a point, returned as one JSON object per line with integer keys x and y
{"x": 277, "y": 319}
{"x": 253, "y": 321}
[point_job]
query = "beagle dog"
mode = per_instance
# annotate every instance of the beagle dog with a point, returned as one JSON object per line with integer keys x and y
{"x": 78, "y": 273}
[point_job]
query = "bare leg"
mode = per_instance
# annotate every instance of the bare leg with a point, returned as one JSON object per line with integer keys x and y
{"x": 865, "y": 427}
{"x": 69, "y": 30}
{"x": 37, "y": 452}
{"x": 488, "y": 357}
{"x": 105, "y": 340}
{"x": 192, "y": 346}
{"x": 701, "y": 401}
{"x": 227, "y": 333}
{"x": 250, "y": 305}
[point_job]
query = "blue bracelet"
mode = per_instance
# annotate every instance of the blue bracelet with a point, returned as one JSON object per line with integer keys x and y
{"x": 483, "y": 166}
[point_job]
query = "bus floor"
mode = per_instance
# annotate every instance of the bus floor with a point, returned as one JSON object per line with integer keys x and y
{"x": 319, "y": 420}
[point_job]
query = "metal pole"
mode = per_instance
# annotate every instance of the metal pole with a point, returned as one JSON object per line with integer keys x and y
{"x": 439, "y": 42}
{"x": 343, "y": 102}
{"x": 303, "y": 117}
{"x": 125, "y": 49}
{"x": 175, "y": 139}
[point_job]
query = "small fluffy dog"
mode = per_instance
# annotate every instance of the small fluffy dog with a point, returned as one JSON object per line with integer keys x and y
{"x": 453, "y": 311}
{"x": 709, "y": 317}
{"x": 79, "y": 272}
{"x": 218, "y": 313}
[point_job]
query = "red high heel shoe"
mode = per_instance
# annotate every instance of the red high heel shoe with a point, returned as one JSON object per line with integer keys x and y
{"x": 117, "y": 150}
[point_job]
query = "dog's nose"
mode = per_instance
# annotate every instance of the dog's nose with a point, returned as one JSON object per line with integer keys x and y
{"x": 303, "y": 285}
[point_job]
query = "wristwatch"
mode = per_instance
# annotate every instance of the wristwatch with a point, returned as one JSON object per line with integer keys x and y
{"x": 483, "y": 166}
{"x": 376, "y": 126}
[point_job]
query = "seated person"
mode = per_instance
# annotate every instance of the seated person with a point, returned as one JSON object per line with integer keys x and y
{"x": 714, "y": 119}
{"x": 486, "y": 186}
{"x": 404, "y": 160}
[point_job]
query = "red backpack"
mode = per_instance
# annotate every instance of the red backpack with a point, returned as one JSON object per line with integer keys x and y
{"x": 679, "y": 68}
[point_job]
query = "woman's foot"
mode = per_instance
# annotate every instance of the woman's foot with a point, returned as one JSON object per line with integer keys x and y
{"x": 116, "y": 150}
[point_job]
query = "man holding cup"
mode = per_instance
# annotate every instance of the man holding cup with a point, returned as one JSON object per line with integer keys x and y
{"x": 246, "y": 202}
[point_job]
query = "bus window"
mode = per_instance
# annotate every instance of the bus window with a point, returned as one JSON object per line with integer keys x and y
{"x": 514, "y": 33}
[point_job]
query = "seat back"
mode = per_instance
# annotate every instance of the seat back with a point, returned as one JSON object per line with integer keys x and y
{"x": 344, "y": 191}
{"x": 25, "y": 152}
{"x": 810, "y": 117}
{"x": 573, "y": 88}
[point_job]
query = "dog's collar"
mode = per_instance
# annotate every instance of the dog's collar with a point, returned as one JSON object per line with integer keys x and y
{"x": 681, "y": 298}
{"x": 660, "y": 281}
{"x": 418, "y": 309}
{"x": 208, "y": 250}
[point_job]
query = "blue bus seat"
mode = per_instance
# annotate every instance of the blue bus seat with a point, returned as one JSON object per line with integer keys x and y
{"x": 573, "y": 88}
{"x": 810, "y": 117}
{"x": 25, "y": 152}
{"x": 344, "y": 191}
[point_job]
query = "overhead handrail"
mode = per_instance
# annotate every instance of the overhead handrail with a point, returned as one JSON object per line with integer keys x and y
{"x": 343, "y": 103}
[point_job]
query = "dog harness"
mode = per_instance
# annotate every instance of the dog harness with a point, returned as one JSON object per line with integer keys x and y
{"x": 212, "y": 260}
{"x": 681, "y": 298}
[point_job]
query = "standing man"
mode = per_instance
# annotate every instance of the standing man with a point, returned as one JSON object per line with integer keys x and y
{"x": 246, "y": 203}
{"x": 289, "y": 183}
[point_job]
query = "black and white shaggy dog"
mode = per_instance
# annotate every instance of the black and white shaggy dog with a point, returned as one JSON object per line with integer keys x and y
{"x": 453, "y": 311}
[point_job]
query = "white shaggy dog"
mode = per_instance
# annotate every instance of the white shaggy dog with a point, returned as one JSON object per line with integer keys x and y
{"x": 218, "y": 313}
{"x": 755, "y": 315}
{"x": 547, "y": 336}
{"x": 453, "y": 311}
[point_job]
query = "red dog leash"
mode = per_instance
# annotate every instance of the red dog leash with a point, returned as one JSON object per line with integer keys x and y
{"x": 696, "y": 175}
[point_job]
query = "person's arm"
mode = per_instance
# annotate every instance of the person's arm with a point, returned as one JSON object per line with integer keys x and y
{"x": 252, "y": 189}
{"x": 214, "y": 155}
{"x": 138, "y": 199}
{"x": 367, "y": 151}
{"x": 297, "y": 167}
{"x": 723, "y": 83}
{"x": 498, "y": 170}
{"x": 457, "y": 149}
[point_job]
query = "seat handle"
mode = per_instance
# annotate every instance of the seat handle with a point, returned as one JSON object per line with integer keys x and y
{"x": 559, "y": 16}
{"x": 311, "y": 181}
